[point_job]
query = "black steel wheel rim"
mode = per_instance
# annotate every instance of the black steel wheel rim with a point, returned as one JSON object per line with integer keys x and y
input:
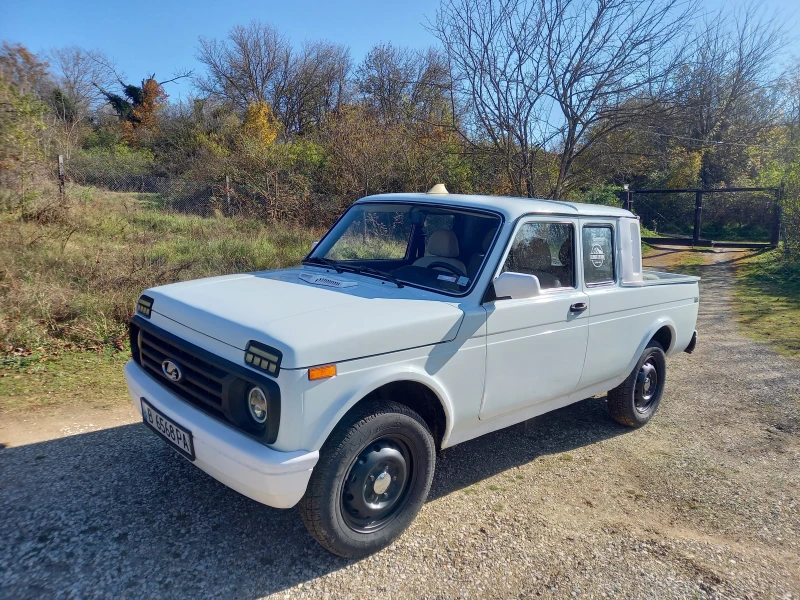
{"x": 647, "y": 382}
{"x": 378, "y": 483}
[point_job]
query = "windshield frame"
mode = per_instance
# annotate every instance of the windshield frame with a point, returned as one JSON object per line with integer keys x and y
{"x": 436, "y": 205}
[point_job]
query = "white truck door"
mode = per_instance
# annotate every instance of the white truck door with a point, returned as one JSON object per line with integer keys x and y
{"x": 536, "y": 346}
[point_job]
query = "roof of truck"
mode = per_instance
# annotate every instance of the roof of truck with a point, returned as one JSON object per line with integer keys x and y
{"x": 511, "y": 207}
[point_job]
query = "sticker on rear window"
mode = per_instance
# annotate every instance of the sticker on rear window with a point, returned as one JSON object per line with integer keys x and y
{"x": 450, "y": 278}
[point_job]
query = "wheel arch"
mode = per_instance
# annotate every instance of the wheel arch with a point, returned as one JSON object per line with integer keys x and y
{"x": 664, "y": 335}
{"x": 414, "y": 390}
{"x": 658, "y": 330}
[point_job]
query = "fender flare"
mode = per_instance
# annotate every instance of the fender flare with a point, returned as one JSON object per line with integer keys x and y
{"x": 652, "y": 330}
{"x": 351, "y": 397}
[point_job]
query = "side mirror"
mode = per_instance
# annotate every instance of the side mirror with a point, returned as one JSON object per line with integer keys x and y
{"x": 515, "y": 286}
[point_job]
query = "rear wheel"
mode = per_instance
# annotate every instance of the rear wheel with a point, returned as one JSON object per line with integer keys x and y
{"x": 372, "y": 478}
{"x": 635, "y": 400}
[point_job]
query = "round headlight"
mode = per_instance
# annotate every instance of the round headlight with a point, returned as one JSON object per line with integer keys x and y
{"x": 257, "y": 403}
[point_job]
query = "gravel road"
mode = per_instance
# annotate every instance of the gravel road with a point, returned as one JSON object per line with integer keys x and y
{"x": 703, "y": 502}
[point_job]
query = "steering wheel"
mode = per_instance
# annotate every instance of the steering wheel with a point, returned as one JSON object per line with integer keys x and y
{"x": 446, "y": 266}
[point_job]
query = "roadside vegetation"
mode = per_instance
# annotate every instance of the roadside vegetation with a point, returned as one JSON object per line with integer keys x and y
{"x": 71, "y": 278}
{"x": 767, "y": 298}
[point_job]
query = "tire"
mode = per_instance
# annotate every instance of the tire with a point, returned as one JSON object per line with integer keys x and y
{"x": 635, "y": 400}
{"x": 379, "y": 460}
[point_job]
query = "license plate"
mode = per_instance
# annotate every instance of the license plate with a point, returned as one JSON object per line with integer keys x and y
{"x": 177, "y": 436}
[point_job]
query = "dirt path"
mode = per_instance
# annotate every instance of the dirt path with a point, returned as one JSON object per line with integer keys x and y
{"x": 52, "y": 423}
{"x": 703, "y": 502}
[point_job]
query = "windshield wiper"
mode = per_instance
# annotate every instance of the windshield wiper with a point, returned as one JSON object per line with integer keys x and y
{"x": 376, "y": 273}
{"x": 341, "y": 268}
{"x": 327, "y": 262}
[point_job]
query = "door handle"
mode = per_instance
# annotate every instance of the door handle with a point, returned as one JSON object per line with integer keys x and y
{"x": 578, "y": 307}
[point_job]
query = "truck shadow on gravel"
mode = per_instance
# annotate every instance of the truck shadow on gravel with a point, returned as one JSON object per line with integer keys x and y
{"x": 116, "y": 513}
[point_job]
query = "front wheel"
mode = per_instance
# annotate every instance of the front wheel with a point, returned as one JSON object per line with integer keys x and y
{"x": 635, "y": 400}
{"x": 372, "y": 478}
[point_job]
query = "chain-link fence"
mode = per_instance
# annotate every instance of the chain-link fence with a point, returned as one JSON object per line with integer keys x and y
{"x": 272, "y": 196}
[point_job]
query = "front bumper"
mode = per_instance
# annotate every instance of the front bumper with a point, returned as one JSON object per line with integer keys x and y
{"x": 268, "y": 476}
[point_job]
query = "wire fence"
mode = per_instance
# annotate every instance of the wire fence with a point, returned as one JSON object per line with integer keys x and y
{"x": 666, "y": 215}
{"x": 273, "y": 196}
{"x": 746, "y": 216}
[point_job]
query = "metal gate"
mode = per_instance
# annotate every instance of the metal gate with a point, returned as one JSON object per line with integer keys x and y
{"x": 725, "y": 217}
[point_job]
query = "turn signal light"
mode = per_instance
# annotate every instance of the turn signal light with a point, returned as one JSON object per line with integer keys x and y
{"x": 321, "y": 372}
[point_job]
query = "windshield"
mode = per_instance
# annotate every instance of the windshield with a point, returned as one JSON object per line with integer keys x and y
{"x": 435, "y": 247}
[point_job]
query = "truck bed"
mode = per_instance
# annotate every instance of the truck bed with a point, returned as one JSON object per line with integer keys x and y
{"x": 651, "y": 277}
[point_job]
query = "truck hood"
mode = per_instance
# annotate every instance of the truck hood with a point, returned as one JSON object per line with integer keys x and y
{"x": 309, "y": 323}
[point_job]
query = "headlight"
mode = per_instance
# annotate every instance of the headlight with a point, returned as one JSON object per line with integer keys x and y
{"x": 263, "y": 357}
{"x": 144, "y": 306}
{"x": 257, "y": 403}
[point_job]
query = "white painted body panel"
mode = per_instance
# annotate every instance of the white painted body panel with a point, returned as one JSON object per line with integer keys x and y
{"x": 489, "y": 364}
{"x": 535, "y": 351}
{"x": 323, "y": 324}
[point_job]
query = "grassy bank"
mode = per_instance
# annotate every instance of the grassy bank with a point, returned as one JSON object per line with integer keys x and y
{"x": 69, "y": 279}
{"x": 41, "y": 379}
{"x": 767, "y": 297}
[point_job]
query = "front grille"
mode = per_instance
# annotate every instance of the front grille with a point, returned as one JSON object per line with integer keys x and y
{"x": 215, "y": 385}
{"x": 202, "y": 382}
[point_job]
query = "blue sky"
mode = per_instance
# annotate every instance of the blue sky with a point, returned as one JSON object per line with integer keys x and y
{"x": 161, "y": 36}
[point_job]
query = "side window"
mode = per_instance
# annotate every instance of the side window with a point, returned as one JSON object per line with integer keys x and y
{"x": 598, "y": 254}
{"x": 546, "y": 250}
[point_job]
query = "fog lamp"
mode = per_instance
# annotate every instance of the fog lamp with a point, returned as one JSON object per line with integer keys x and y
{"x": 257, "y": 403}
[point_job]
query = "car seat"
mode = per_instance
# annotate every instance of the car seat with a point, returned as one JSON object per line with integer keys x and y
{"x": 442, "y": 247}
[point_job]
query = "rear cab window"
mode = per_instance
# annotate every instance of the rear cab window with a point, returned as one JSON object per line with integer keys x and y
{"x": 598, "y": 254}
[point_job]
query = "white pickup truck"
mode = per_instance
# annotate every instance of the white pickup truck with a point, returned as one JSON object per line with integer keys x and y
{"x": 419, "y": 321}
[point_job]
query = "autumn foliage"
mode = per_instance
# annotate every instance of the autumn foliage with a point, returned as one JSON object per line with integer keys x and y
{"x": 260, "y": 124}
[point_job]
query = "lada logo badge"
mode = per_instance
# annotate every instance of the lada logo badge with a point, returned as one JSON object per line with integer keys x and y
{"x": 171, "y": 370}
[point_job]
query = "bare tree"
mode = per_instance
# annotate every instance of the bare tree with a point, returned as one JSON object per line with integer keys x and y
{"x": 555, "y": 76}
{"x": 401, "y": 84}
{"x": 729, "y": 91}
{"x": 257, "y": 64}
{"x": 315, "y": 84}
{"x": 250, "y": 65}
{"x": 78, "y": 74}
{"x": 497, "y": 71}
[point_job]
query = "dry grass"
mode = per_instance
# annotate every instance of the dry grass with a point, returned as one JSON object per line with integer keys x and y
{"x": 54, "y": 379}
{"x": 70, "y": 280}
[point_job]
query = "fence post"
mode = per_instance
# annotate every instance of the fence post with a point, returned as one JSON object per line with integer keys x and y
{"x": 626, "y": 198}
{"x": 61, "y": 179}
{"x": 776, "y": 217}
{"x": 698, "y": 210}
{"x": 228, "y": 192}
